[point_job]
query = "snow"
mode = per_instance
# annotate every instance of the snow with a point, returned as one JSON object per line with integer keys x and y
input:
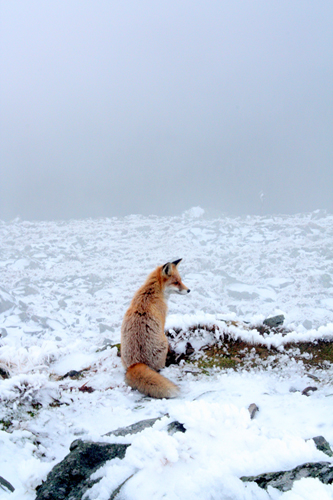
{"x": 65, "y": 286}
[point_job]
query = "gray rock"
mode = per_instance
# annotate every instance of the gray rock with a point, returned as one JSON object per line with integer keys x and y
{"x": 323, "y": 445}
{"x": 253, "y": 408}
{"x": 134, "y": 428}
{"x": 274, "y": 321}
{"x": 29, "y": 290}
{"x": 5, "y": 302}
{"x": 117, "y": 490}
{"x": 73, "y": 374}
{"x": 308, "y": 390}
{"x": 70, "y": 479}
{"x": 307, "y": 324}
{"x": 173, "y": 427}
{"x": 104, "y": 328}
{"x": 62, "y": 303}
{"x": 284, "y": 480}
{"x": 6, "y": 486}
{"x": 4, "y": 373}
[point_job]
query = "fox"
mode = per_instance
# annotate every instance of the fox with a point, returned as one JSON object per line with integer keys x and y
{"x": 144, "y": 346}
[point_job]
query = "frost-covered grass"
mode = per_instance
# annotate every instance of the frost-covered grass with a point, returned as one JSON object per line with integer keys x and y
{"x": 64, "y": 289}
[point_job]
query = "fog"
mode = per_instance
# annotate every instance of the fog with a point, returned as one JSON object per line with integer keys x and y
{"x": 119, "y": 107}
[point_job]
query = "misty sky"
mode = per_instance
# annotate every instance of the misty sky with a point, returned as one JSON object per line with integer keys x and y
{"x": 113, "y": 107}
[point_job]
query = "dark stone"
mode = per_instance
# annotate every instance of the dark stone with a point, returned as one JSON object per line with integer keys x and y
{"x": 4, "y": 373}
{"x": 134, "y": 428}
{"x": 72, "y": 374}
{"x": 189, "y": 349}
{"x": 284, "y": 480}
{"x": 103, "y": 328}
{"x": 144, "y": 424}
{"x": 5, "y": 485}
{"x": 307, "y": 390}
{"x": 5, "y": 305}
{"x": 175, "y": 427}
{"x": 70, "y": 479}
{"x": 253, "y": 408}
{"x": 117, "y": 490}
{"x": 3, "y": 332}
{"x": 323, "y": 445}
{"x": 274, "y": 321}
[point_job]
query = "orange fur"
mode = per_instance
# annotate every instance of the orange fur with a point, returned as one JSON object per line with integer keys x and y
{"x": 144, "y": 346}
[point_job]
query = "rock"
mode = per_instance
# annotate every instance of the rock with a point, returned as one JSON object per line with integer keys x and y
{"x": 307, "y": 324}
{"x": 72, "y": 374}
{"x": 253, "y": 408}
{"x": 314, "y": 377}
{"x": 274, "y": 321}
{"x": 173, "y": 427}
{"x": 284, "y": 480}
{"x": 103, "y": 328}
{"x": 6, "y": 301}
{"x": 71, "y": 477}
{"x": 29, "y": 290}
{"x": 117, "y": 490}
{"x": 323, "y": 445}
{"x": 189, "y": 349}
{"x": 4, "y": 373}
{"x": 5, "y": 485}
{"x": 134, "y": 428}
{"x": 307, "y": 390}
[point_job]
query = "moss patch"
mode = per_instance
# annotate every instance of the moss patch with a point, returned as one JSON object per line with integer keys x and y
{"x": 225, "y": 352}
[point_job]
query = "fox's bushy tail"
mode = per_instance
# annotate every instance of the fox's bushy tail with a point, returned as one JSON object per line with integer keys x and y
{"x": 146, "y": 380}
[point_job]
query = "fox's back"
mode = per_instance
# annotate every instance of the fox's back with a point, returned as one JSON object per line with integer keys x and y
{"x": 142, "y": 332}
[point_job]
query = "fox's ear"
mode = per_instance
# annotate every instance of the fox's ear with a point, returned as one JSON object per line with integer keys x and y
{"x": 176, "y": 262}
{"x": 166, "y": 269}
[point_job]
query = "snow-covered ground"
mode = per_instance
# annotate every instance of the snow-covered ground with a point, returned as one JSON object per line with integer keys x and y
{"x": 64, "y": 289}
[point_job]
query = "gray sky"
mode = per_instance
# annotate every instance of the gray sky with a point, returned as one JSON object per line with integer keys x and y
{"x": 118, "y": 107}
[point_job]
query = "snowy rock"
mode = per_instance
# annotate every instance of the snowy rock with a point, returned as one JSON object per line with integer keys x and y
{"x": 4, "y": 373}
{"x": 274, "y": 321}
{"x": 103, "y": 328}
{"x": 5, "y": 485}
{"x": 134, "y": 428}
{"x": 73, "y": 374}
{"x": 323, "y": 445}
{"x": 6, "y": 301}
{"x": 71, "y": 477}
{"x": 253, "y": 408}
{"x": 284, "y": 480}
{"x": 307, "y": 391}
{"x": 144, "y": 424}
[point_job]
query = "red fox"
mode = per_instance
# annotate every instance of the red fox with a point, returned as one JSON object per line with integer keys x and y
{"x": 144, "y": 346}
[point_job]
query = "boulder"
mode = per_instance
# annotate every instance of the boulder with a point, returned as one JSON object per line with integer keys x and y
{"x": 274, "y": 321}
{"x": 284, "y": 480}
{"x": 5, "y": 485}
{"x": 323, "y": 445}
{"x": 70, "y": 479}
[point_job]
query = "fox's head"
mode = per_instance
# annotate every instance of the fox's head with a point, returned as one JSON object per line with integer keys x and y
{"x": 172, "y": 280}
